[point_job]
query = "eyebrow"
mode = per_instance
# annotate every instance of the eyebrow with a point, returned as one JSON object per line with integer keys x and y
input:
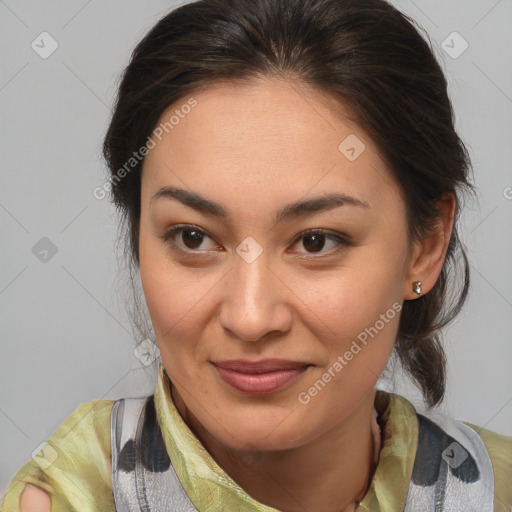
{"x": 288, "y": 212}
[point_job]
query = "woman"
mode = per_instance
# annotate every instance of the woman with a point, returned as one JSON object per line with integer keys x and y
{"x": 290, "y": 178}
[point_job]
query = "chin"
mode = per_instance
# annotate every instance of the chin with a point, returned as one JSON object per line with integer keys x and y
{"x": 261, "y": 431}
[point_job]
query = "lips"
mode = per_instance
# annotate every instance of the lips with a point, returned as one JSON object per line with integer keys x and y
{"x": 259, "y": 377}
{"x": 262, "y": 366}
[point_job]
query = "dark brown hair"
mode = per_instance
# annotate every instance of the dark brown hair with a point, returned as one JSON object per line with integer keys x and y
{"x": 366, "y": 54}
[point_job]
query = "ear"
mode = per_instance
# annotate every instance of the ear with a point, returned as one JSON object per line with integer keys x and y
{"x": 428, "y": 254}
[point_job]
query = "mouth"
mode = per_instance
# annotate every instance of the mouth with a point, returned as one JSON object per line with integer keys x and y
{"x": 260, "y": 377}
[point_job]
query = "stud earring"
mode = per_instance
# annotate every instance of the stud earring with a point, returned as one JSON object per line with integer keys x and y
{"x": 416, "y": 286}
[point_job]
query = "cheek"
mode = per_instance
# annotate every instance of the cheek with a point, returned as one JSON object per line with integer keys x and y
{"x": 351, "y": 299}
{"x": 171, "y": 294}
{"x": 179, "y": 302}
{"x": 355, "y": 313}
{"x": 362, "y": 326}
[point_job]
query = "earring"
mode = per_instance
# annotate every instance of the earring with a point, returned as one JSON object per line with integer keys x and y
{"x": 416, "y": 286}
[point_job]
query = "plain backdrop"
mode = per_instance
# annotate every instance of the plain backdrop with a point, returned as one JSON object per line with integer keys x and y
{"x": 65, "y": 338}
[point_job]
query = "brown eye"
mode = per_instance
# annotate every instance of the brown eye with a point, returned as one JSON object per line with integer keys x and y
{"x": 186, "y": 238}
{"x": 191, "y": 238}
{"x": 315, "y": 240}
{"x": 314, "y": 243}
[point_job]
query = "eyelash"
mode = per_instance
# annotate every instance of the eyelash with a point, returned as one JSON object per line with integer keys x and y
{"x": 342, "y": 241}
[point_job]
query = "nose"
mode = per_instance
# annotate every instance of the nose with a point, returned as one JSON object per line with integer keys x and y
{"x": 255, "y": 300}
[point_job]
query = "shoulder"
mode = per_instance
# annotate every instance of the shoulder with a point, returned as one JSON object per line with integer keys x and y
{"x": 73, "y": 466}
{"x": 87, "y": 421}
{"x": 436, "y": 431}
{"x": 499, "y": 447}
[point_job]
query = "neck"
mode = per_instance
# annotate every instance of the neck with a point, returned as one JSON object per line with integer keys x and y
{"x": 331, "y": 473}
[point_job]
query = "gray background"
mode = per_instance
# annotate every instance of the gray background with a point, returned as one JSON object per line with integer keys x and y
{"x": 65, "y": 336}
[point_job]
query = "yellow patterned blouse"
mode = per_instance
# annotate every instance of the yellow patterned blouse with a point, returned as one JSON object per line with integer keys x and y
{"x": 74, "y": 467}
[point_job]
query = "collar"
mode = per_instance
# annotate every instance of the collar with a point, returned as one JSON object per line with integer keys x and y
{"x": 211, "y": 488}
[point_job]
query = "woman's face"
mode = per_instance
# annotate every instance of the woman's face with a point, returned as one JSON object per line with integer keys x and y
{"x": 244, "y": 281}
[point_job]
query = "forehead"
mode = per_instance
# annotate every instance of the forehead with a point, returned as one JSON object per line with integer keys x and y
{"x": 267, "y": 134}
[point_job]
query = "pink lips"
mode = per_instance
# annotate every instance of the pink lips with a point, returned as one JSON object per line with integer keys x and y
{"x": 259, "y": 377}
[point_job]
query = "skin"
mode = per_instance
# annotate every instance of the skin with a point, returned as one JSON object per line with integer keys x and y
{"x": 255, "y": 148}
{"x": 34, "y": 499}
